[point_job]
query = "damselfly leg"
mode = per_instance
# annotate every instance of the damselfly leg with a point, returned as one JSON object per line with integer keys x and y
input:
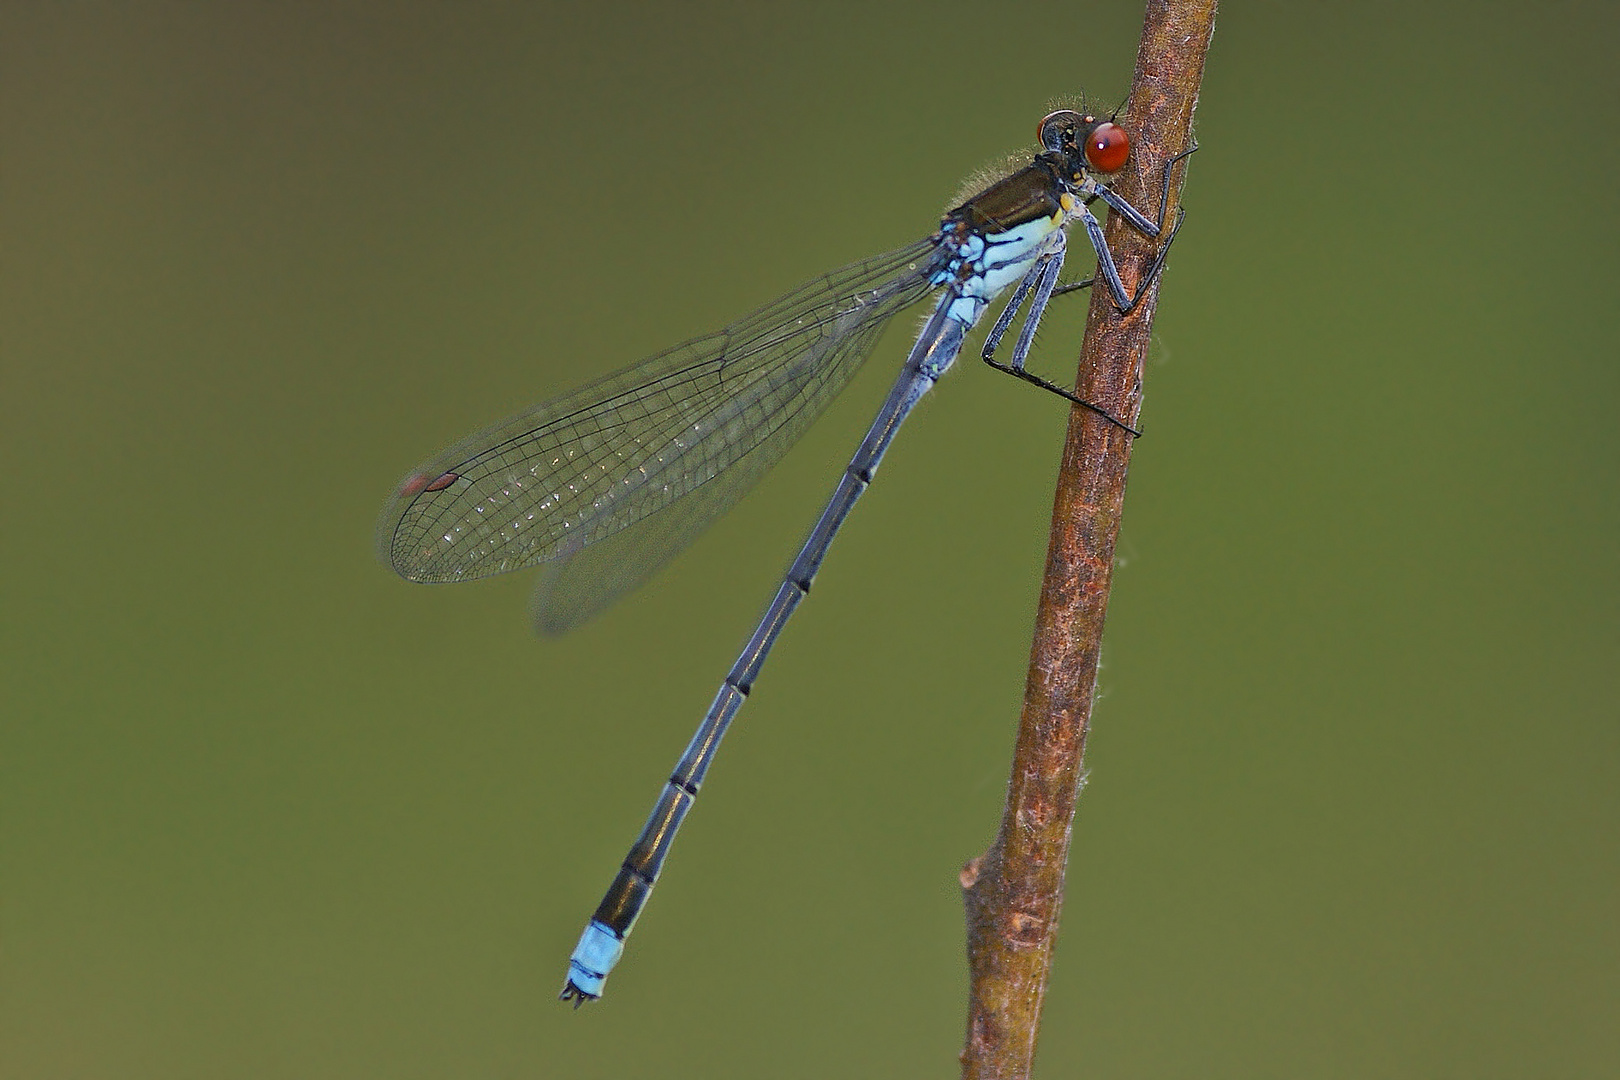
{"x": 1042, "y": 282}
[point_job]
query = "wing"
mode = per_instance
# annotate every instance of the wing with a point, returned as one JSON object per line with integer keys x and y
{"x": 694, "y": 426}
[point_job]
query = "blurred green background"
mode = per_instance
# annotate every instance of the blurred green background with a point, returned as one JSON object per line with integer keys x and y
{"x": 269, "y": 811}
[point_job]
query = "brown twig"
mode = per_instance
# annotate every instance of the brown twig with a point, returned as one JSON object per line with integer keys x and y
{"x": 1014, "y": 892}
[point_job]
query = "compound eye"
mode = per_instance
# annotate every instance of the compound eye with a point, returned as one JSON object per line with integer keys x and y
{"x": 1107, "y": 147}
{"x": 1057, "y": 128}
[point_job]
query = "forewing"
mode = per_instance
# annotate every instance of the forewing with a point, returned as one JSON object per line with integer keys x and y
{"x": 565, "y": 474}
{"x": 579, "y": 584}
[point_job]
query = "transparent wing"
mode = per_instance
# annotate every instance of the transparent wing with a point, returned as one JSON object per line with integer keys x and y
{"x": 578, "y": 585}
{"x": 694, "y": 426}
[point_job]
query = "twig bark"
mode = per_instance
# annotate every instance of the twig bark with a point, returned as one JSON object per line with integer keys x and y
{"x": 1014, "y": 892}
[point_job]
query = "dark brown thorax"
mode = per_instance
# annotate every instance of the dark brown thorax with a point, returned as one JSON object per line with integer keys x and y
{"x": 1028, "y": 194}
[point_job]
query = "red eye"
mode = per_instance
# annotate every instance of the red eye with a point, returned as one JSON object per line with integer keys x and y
{"x": 1107, "y": 147}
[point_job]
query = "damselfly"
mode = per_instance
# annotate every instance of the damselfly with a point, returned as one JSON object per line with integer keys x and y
{"x": 608, "y": 482}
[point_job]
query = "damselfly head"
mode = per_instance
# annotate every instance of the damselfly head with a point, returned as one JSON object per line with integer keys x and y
{"x": 1088, "y": 142}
